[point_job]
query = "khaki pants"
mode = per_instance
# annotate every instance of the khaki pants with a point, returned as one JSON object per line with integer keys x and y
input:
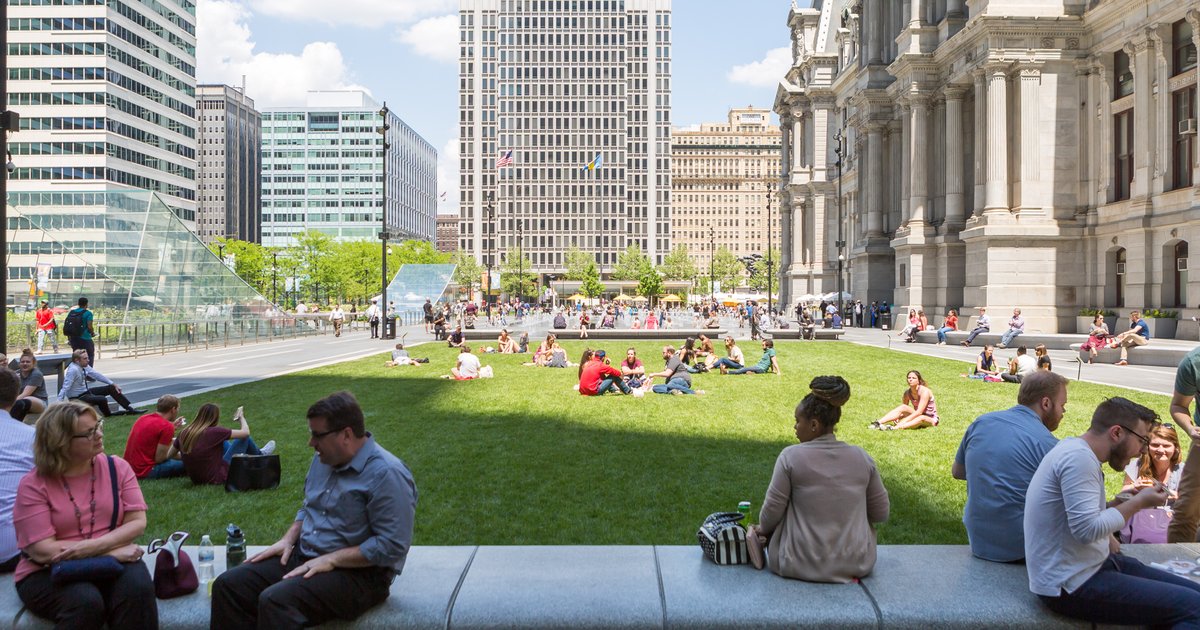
{"x": 1187, "y": 506}
{"x": 1129, "y": 342}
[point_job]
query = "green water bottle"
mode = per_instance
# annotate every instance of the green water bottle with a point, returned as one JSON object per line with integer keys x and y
{"x": 744, "y": 508}
{"x": 235, "y": 546}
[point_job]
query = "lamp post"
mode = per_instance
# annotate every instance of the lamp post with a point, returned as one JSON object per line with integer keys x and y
{"x": 383, "y": 234}
{"x": 841, "y": 242}
{"x": 520, "y": 264}
{"x": 10, "y": 122}
{"x": 712, "y": 256}
{"x": 274, "y": 279}
{"x": 770, "y": 260}
{"x": 491, "y": 243}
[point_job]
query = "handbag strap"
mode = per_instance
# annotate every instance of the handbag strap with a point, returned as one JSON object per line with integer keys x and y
{"x": 112, "y": 476}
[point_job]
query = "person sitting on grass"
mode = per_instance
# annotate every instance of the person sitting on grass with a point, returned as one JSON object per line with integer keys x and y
{"x": 1043, "y": 358}
{"x": 705, "y": 350}
{"x": 1160, "y": 463}
{"x": 735, "y": 359}
{"x": 541, "y": 356}
{"x": 632, "y": 369}
{"x": 678, "y": 379}
{"x": 597, "y": 377}
{"x": 1020, "y": 367}
{"x": 558, "y": 357}
{"x": 206, "y": 447}
{"x": 400, "y": 357}
{"x": 767, "y": 363}
{"x": 467, "y": 367}
{"x": 148, "y": 449}
{"x": 506, "y": 344}
{"x": 985, "y": 363}
{"x": 817, "y": 518}
{"x": 33, "y": 397}
{"x": 75, "y": 387}
{"x": 917, "y": 407}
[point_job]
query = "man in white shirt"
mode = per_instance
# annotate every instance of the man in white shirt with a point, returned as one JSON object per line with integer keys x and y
{"x": 75, "y": 387}
{"x": 1022, "y": 366}
{"x": 468, "y": 365}
{"x": 373, "y": 318}
{"x": 984, "y": 324}
{"x": 337, "y": 316}
{"x": 16, "y": 459}
{"x": 1073, "y": 561}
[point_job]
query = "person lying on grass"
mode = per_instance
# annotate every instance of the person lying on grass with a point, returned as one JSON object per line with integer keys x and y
{"x": 917, "y": 408}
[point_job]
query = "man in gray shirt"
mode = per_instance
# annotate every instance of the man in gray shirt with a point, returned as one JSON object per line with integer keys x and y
{"x": 348, "y": 542}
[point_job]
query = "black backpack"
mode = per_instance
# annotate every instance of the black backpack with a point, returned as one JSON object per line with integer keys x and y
{"x": 73, "y": 324}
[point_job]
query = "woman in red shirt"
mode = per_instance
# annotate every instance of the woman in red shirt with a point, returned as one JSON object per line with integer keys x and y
{"x": 951, "y": 323}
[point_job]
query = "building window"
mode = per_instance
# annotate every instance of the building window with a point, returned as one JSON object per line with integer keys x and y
{"x": 1119, "y": 278}
{"x": 1183, "y": 49}
{"x": 1122, "y": 154}
{"x": 1179, "y": 266}
{"x": 1183, "y": 148}
{"x": 1123, "y": 83}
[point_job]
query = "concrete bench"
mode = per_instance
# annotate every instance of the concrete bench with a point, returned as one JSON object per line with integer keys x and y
{"x": 1030, "y": 339}
{"x": 637, "y": 334}
{"x": 1160, "y": 355}
{"x": 795, "y": 333}
{"x": 672, "y": 586}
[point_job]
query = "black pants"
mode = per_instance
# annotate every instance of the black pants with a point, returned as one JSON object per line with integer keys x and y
{"x": 84, "y": 344}
{"x": 374, "y": 328}
{"x": 255, "y": 595}
{"x": 125, "y": 602}
{"x": 97, "y": 396}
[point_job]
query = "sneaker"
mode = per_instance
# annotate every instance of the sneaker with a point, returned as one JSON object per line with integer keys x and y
{"x": 269, "y": 448}
{"x": 965, "y": 344}
{"x": 676, "y": 392}
{"x": 1001, "y": 346}
{"x": 874, "y": 426}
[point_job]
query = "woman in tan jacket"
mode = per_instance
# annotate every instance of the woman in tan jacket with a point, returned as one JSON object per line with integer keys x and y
{"x": 824, "y": 497}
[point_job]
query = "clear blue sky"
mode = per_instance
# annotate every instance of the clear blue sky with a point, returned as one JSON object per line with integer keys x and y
{"x": 726, "y": 54}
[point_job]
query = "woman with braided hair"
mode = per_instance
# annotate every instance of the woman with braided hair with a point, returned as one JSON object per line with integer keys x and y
{"x": 825, "y": 495}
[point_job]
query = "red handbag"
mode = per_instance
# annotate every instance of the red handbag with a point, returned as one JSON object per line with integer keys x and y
{"x": 174, "y": 574}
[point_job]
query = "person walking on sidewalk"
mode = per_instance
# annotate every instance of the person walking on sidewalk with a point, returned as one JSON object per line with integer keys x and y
{"x": 46, "y": 327}
{"x": 78, "y": 329}
{"x": 373, "y": 317}
{"x": 337, "y": 316}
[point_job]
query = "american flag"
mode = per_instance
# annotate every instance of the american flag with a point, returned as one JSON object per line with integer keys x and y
{"x": 505, "y": 160}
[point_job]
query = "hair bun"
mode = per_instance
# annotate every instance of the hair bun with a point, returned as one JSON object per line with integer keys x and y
{"x": 831, "y": 389}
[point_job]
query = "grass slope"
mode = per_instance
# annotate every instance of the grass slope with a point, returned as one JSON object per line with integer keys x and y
{"x": 523, "y": 459}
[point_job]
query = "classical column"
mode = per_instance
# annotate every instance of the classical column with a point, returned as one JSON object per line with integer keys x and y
{"x": 980, "y": 139}
{"x": 874, "y": 181}
{"x": 822, "y": 108}
{"x": 1193, "y": 18}
{"x": 915, "y": 16}
{"x": 954, "y": 159}
{"x": 1143, "y": 115}
{"x": 1104, "y": 135}
{"x": 1160, "y": 36}
{"x": 785, "y": 155}
{"x": 905, "y": 160}
{"x": 997, "y": 138}
{"x": 874, "y": 28}
{"x": 919, "y": 157}
{"x": 954, "y": 8}
{"x": 1031, "y": 167}
{"x": 797, "y": 138}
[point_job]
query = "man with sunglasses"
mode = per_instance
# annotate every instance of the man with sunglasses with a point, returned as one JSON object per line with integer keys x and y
{"x": 1070, "y": 553}
{"x": 349, "y": 539}
{"x": 1187, "y": 508}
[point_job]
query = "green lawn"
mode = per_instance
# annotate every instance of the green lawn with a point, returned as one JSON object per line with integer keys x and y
{"x": 524, "y": 459}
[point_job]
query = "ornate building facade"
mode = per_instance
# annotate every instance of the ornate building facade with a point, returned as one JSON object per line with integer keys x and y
{"x": 996, "y": 153}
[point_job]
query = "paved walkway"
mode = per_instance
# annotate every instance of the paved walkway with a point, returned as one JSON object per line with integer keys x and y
{"x": 146, "y": 378}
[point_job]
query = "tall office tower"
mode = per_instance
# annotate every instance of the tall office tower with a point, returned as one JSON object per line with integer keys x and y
{"x": 323, "y": 170}
{"x": 719, "y": 178}
{"x": 447, "y": 233}
{"x": 229, "y": 177}
{"x": 107, "y": 97}
{"x": 577, "y": 94}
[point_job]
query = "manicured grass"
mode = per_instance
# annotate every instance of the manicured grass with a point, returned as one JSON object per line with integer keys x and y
{"x": 524, "y": 459}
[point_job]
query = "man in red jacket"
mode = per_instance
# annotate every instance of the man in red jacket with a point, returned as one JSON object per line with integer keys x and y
{"x": 598, "y": 377}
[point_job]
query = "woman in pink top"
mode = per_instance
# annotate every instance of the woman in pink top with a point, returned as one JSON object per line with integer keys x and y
{"x": 651, "y": 321}
{"x": 917, "y": 407}
{"x": 825, "y": 495}
{"x": 65, "y": 511}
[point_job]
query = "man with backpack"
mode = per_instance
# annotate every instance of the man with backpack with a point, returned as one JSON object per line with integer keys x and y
{"x": 78, "y": 329}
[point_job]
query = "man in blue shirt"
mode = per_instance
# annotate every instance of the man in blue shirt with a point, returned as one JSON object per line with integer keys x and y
{"x": 1187, "y": 508}
{"x": 1137, "y": 335}
{"x": 348, "y": 542}
{"x": 997, "y": 457}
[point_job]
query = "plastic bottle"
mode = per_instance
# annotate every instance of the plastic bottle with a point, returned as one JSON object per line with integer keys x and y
{"x": 206, "y": 564}
{"x": 235, "y": 546}
{"x": 744, "y": 508}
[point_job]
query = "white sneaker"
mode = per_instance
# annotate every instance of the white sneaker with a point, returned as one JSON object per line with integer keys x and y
{"x": 269, "y": 448}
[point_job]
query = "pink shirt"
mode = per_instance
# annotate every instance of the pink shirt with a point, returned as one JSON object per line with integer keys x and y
{"x": 44, "y": 510}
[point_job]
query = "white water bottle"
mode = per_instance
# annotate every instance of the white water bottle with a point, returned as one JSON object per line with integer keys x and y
{"x": 206, "y": 564}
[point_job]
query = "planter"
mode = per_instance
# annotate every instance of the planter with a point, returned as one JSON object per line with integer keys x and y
{"x": 1161, "y": 328}
{"x": 1084, "y": 324}
{"x": 1188, "y": 329}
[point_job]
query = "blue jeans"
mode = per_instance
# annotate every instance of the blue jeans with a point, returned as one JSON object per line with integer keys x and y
{"x": 169, "y": 468}
{"x": 614, "y": 384}
{"x": 942, "y": 333}
{"x": 975, "y": 333}
{"x": 677, "y": 383}
{"x": 1009, "y": 335}
{"x": 1126, "y": 592}
{"x": 240, "y": 446}
{"x": 753, "y": 368}
{"x": 726, "y": 362}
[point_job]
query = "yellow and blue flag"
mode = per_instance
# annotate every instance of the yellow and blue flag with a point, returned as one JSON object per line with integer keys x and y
{"x": 595, "y": 163}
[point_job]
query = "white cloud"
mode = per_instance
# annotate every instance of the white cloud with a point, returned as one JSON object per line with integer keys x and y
{"x": 447, "y": 174}
{"x": 225, "y": 53}
{"x": 767, "y": 72}
{"x": 370, "y": 13}
{"x": 436, "y": 38}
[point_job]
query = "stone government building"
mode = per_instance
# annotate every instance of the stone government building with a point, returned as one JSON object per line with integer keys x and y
{"x": 997, "y": 153}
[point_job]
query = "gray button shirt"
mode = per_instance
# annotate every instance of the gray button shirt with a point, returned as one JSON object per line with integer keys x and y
{"x": 370, "y": 502}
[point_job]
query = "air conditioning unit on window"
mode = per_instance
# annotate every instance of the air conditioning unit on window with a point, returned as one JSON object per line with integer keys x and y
{"x": 1120, "y": 269}
{"x": 1181, "y": 263}
{"x": 1187, "y": 127}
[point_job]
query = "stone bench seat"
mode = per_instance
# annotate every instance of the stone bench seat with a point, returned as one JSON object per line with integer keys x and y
{"x": 795, "y": 333}
{"x": 671, "y": 586}
{"x": 1029, "y": 339}
{"x": 1160, "y": 355}
{"x": 634, "y": 334}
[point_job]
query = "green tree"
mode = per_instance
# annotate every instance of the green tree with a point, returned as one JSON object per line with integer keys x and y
{"x": 758, "y": 272}
{"x": 516, "y": 275}
{"x": 577, "y": 262}
{"x": 727, "y": 269}
{"x": 468, "y": 273}
{"x": 677, "y": 265}
{"x": 630, "y": 264}
{"x": 319, "y": 279}
{"x": 251, "y": 262}
{"x": 416, "y": 252}
{"x": 591, "y": 286}
{"x": 650, "y": 284}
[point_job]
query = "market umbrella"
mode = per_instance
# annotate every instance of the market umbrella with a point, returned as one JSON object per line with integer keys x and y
{"x": 640, "y": 298}
{"x": 578, "y": 297}
{"x": 622, "y": 298}
{"x": 670, "y": 297}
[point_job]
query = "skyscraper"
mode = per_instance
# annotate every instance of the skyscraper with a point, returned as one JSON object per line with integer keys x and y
{"x": 107, "y": 97}
{"x": 323, "y": 170}
{"x": 580, "y": 93}
{"x": 229, "y": 178}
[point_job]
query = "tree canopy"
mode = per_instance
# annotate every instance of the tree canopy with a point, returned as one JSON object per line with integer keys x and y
{"x": 631, "y": 263}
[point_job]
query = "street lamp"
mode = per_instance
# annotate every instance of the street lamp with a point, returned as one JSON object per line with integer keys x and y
{"x": 274, "y": 279}
{"x": 520, "y": 263}
{"x": 383, "y": 234}
{"x": 770, "y": 260}
{"x": 9, "y": 121}
{"x": 712, "y": 255}
{"x": 841, "y": 242}
{"x": 491, "y": 243}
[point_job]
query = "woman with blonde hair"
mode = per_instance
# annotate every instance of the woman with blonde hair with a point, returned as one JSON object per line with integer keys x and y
{"x": 206, "y": 448}
{"x": 1161, "y": 462}
{"x": 80, "y": 504}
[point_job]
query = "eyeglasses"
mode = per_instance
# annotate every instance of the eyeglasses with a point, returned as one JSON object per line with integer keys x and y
{"x": 91, "y": 433}
{"x": 317, "y": 436}
{"x": 1145, "y": 440}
